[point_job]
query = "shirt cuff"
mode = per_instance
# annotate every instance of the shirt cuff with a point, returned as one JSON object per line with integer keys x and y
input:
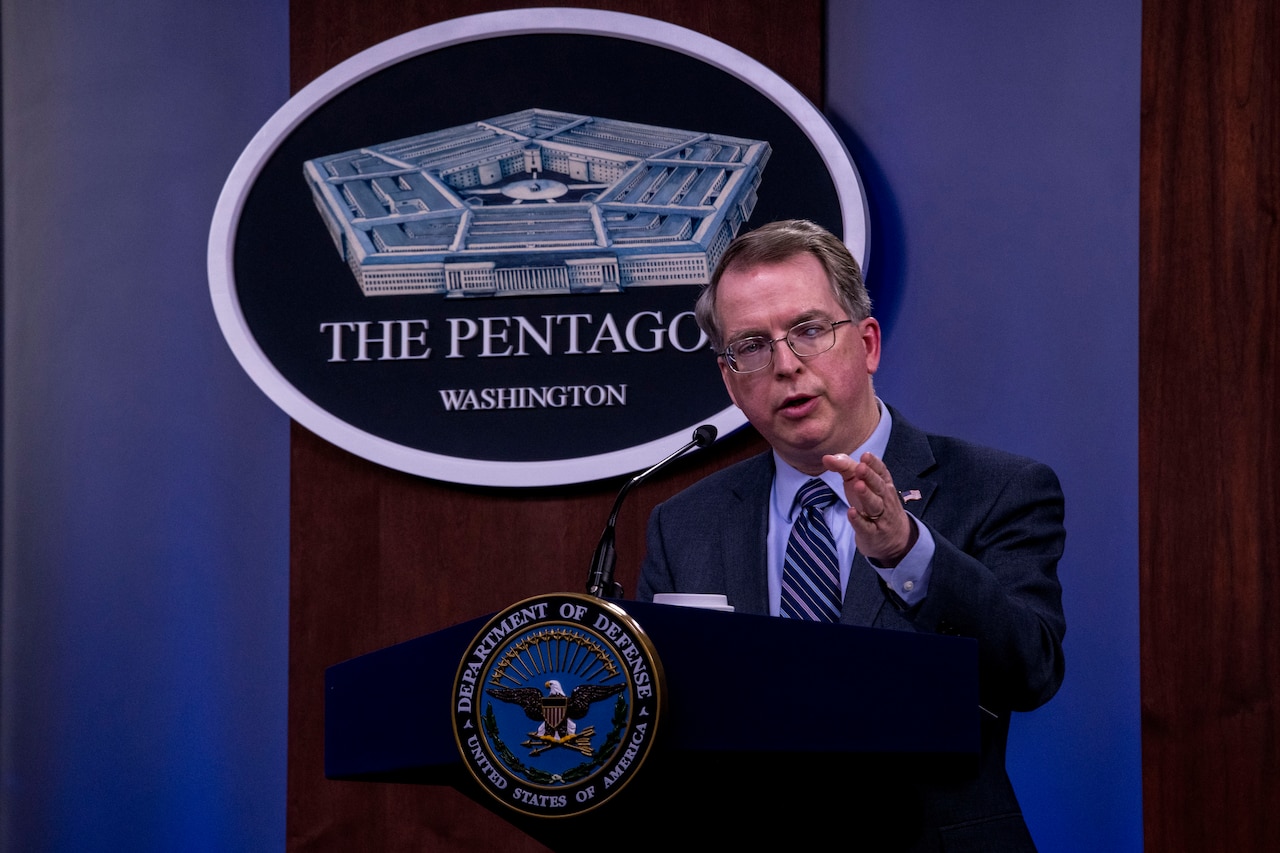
{"x": 909, "y": 580}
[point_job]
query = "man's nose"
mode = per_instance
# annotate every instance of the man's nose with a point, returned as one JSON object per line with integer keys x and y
{"x": 784, "y": 358}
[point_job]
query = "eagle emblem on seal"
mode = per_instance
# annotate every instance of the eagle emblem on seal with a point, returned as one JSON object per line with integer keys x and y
{"x": 556, "y": 713}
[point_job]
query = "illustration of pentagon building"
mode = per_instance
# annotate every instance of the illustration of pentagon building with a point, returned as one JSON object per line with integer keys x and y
{"x": 537, "y": 202}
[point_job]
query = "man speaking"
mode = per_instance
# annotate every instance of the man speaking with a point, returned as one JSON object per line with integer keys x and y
{"x": 856, "y": 516}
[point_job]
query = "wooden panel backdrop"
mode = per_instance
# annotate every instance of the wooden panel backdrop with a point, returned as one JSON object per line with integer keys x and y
{"x": 1209, "y": 428}
{"x": 378, "y": 557}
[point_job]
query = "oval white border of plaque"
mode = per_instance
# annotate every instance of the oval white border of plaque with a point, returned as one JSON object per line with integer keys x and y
{"x": 478, "y": 472}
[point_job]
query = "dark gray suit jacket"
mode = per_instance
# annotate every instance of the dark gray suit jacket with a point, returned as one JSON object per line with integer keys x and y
{"x": 997, "y": 521}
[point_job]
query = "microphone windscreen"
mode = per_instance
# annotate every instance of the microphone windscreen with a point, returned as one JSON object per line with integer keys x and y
{"x": 704, "y": 435}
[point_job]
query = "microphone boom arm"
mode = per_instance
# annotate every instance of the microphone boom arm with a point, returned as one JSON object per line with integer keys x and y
{"x": 600, "y": 582}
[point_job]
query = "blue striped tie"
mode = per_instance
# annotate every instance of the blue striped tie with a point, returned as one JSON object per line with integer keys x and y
{"x": 811, "y": 572}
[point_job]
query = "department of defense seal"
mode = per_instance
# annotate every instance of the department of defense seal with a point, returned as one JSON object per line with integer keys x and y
{"x": 556, "y": 704}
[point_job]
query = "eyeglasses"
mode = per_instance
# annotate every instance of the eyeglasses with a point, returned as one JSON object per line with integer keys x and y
{"x": 807, "y": 339}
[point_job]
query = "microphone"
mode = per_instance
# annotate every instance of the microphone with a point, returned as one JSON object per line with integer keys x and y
{"x": 600, "y": 581}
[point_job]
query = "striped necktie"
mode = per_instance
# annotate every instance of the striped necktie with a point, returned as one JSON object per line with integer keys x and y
{"x": 811, "y": 571}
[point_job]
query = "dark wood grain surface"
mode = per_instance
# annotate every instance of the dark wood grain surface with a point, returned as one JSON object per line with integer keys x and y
{"x": 1209, "y": 425}
{"x": 378, "y": 556}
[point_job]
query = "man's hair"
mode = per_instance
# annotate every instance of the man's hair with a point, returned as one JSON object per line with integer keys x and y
{"x": 777, "y": 242}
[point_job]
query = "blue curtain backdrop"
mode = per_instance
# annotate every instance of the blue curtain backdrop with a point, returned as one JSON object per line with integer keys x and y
{"x": 145, "y": 498}
{"x": 999, "y": 145}
{"x": 143, "y": 650}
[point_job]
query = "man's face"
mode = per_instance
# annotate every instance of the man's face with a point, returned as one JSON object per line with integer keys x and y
{"x": 804, "y": 407}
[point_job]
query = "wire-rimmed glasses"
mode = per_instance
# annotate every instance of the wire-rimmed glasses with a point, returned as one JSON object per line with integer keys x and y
{"x": 807, "y": 339}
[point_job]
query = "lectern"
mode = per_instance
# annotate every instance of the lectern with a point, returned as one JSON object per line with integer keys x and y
{"x": 773, "y": 730}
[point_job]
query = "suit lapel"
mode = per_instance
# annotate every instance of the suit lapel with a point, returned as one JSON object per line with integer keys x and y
{"x": 744, "y": 537}
{"x": 909, "y": 458}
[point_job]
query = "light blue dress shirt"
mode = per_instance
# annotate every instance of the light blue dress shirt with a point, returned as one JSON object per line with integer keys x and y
{"x": 909, "y": 579}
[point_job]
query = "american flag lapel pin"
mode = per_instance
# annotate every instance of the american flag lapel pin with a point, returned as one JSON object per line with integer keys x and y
{"x": 910, "y": 495}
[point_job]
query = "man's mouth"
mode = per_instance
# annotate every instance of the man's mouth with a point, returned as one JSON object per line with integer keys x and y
{"x": 798, "y": 405}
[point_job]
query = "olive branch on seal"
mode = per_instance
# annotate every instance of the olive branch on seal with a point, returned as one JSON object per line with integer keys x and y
{"x": 573, "y": 774}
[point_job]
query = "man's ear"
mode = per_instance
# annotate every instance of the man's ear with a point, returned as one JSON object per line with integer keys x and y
{"x": 869, "y": 331}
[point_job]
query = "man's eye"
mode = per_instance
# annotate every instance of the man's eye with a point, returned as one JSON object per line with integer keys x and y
{"x": 749, "y": 347}
{"x": 807, "y": 330}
